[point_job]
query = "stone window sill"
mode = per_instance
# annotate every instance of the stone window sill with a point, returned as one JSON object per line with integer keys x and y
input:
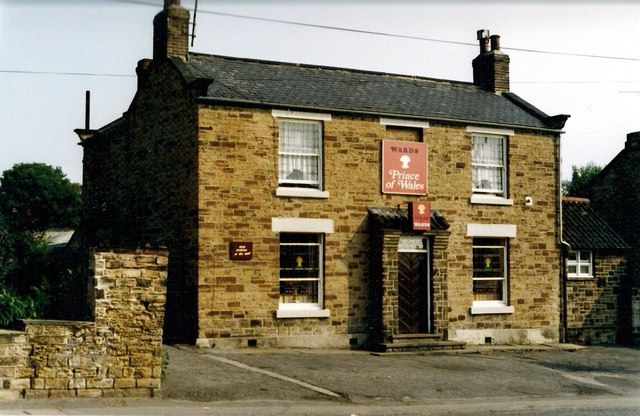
{"x": 491, "y": 310}
{"x": 302, "y": 313}
{"x": 490, "y": 200}
{"x": 580, "y": 277}
{"x": 301, "y": 192}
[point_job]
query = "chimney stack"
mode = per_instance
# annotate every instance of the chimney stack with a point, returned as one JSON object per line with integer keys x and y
{"x": 491, "y": 66}
{"x": 633, "y": 141}
{"x": 171, "y": 32}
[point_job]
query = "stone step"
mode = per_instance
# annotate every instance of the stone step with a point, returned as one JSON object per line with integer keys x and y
{"x": 435, "y": 345}
{"x": 415, "y": 337}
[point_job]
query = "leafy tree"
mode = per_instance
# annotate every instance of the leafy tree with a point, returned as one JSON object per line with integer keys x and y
{"x": 580, "y": 177}
{"x": 37, "y": 197}
{"x": 24, "y": 263}
{"x": 34, "y": 280}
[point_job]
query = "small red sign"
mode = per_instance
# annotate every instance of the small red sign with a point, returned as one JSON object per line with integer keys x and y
{"x": 240, "y": 250}
{"x": 420, "y": 215}
{"x": 404, "y": 167}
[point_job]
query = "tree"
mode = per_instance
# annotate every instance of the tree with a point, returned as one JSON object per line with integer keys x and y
{"x": 580, "y": 177}
{"x": 34, "y": 281}
{"x": 37, "y": 197}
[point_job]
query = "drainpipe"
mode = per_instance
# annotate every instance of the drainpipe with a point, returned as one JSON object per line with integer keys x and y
{"x": 564, "y": 249}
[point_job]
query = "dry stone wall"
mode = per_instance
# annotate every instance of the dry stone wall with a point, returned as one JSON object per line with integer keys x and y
{"x": 117, "y": 354}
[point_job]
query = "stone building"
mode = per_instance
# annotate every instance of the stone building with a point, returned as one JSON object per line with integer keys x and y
{"x": 594, "y": 276}
{"x": 615, "y": 194}
{"x": 328, "y": 207}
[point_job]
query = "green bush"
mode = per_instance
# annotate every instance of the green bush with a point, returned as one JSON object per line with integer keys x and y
{"x": 14, "y": 307}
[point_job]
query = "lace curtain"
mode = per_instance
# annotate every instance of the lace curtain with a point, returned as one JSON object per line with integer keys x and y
{"x": 488, "y": 164}
{"x": 299, "y": 152}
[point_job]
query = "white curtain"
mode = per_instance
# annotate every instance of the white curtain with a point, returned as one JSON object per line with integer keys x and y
{"x": 299, "y": 152}
{"x": 488, "y": 163}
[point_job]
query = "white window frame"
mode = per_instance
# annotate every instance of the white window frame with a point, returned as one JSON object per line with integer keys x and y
{"x": 477, "y": 245}
{"x": 293, "y": 188}
{"x": 321, "y": 227}
{"x": 319, "y": 245}
{"x": 491, "y": 196}
{"x": 579, "y": 262}
{"x": 493, "y": 231}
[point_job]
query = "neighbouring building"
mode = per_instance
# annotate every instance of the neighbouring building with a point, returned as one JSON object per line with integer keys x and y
{"x": 615, "y": 194}
{"x": 313, "y": 206}
{"x": 594, "y": 276}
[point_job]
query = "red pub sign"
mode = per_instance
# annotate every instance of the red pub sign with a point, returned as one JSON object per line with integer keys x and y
{"x": 420, "y": 213}
{"x": 404, "y": 167}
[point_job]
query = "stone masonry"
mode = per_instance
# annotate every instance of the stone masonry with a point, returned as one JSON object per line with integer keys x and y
{"x": 117, "y": 354}
{"x": 593, "y": 304}
{"x": 195, "y": 173}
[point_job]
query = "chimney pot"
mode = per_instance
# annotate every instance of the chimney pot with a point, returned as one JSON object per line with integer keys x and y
{"x": 483, "y": 38}
{"x": 495, "y": 42}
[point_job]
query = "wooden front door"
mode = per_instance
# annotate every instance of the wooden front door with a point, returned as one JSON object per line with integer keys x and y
{"x": 414, "y": 291}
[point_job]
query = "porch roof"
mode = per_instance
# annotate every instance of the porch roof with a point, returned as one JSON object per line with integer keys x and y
{"x": 397, "y": 218}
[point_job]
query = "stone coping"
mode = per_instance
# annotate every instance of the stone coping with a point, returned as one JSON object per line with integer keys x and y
{"x": 57, "y": 322}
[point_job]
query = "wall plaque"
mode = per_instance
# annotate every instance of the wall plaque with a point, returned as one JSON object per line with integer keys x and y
{"x": 240, "y": 250}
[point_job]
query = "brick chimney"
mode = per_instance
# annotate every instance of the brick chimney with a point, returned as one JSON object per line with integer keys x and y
{"x": 171, "y": 31}
{"x": 491, "y": 67}
{"x": 633, "y": 141}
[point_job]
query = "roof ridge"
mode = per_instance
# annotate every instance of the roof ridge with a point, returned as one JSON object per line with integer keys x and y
{"x": 332, "y": 68}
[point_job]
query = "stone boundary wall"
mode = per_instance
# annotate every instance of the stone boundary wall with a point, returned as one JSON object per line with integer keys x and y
{"x": 15, "y": 371}
{"x": 118, "y": 354}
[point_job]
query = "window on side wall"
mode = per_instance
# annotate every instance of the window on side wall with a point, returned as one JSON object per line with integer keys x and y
{"x": 488, "y": 162}
{"x": 490, "y": 285}
{"x": 580, "y": 263}
{"x": 300, "y": 154}
{"x": 301, "y": 272}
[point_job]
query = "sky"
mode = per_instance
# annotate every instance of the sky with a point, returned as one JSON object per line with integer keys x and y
{"x": 580, "y": 58}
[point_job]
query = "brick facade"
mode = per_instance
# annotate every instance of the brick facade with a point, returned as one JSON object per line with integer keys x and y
{"x": 199, "y": 172}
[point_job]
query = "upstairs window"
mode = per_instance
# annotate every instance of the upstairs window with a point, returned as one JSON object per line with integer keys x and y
{"x": 300, "y": 154}
{"x": 579, "y": 264}
{"x": 488, "y": 162}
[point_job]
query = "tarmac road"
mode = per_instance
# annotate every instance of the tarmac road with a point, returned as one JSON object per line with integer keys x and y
{"x": 487, "y": 380}
{"x": 361, "y": 377}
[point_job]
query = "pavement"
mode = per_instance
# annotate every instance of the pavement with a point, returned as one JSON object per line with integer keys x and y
{"x": 477, "y": 380}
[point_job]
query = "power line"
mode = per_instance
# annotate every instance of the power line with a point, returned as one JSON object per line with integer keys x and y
{"x": 84, "y": 74}
{"x": 393, "y": 35}
{"x": 412, "y": 37}
{"x": 88, "y": 74}
{"x": 351, "y": 30}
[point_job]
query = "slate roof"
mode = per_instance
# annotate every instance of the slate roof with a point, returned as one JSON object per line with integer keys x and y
{"x": 308, "y": 87}
{"x": 584, "y": 229}
{"x": 398, "y": 218}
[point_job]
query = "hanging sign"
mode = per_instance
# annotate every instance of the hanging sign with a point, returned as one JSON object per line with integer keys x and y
{"x": 404, "y": 167}
{"x": 240, "y": 250}
{"x": 420, "y": 213}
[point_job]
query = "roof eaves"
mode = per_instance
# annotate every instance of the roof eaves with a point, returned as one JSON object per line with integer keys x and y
{"x": 555, "y": 123}
{"x": 461, "y": 121}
